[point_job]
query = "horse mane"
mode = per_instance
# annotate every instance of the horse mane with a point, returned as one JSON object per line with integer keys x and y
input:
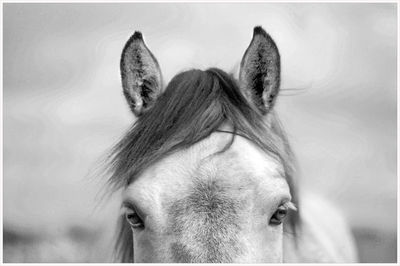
{"x": 194, "y": 104}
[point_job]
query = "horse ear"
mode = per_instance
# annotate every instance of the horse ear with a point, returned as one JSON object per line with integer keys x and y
{"x": 260, "y": 71}
{"x": 140, "y": 74}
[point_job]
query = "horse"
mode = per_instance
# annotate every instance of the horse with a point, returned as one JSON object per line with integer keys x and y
{"x": 206, "y": 170}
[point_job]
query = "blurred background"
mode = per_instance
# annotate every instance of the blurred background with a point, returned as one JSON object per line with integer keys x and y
{"x": 64, "y": 108}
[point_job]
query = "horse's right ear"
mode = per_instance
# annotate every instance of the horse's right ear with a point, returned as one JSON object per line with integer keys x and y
{"x": 140, "y": 74}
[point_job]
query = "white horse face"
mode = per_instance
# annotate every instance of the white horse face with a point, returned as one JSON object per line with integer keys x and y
{"x": 202, "y": 202}
{"x": 202, "y": 207}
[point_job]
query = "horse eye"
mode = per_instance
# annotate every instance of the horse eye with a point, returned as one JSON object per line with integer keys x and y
{"x": 134, "y": 219}
{"x": 279, "y": 215}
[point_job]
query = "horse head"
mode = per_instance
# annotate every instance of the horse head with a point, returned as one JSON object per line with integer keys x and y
{"x": 206, "y": 169}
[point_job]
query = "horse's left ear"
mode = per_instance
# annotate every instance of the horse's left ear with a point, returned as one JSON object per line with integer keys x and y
{"x": 260, "y": 71}
{"x": 140, "y": 74}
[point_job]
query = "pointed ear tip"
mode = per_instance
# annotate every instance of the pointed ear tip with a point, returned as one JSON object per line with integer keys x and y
{"x": 258, "y": 30}
{"x": 137, "y": 35}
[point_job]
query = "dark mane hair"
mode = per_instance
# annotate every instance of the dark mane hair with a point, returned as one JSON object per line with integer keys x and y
{"x": 194, "y": 105}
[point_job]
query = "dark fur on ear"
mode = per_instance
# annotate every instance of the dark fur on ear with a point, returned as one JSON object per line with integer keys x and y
{"x": 141, "y": 75}
{"x": 260, "y": 71}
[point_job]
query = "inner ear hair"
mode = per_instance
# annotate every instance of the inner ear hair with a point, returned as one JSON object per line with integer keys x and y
{"x": 140, "y": 74}
{"x": 260, "y": 71}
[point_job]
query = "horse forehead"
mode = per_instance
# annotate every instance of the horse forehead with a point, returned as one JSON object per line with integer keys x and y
{"x": 242, "y": 164}
{"x": 204, "y": 198}
{"x": 242, "y": 167}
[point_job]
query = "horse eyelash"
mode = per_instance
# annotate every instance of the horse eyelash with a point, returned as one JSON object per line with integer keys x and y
{"x": 122, "y": 210}
{"x": 124, "y": 207}
{"x": 290, "y": 205}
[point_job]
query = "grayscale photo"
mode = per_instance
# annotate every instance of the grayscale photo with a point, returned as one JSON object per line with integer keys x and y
{"x": 200, "y": 132}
